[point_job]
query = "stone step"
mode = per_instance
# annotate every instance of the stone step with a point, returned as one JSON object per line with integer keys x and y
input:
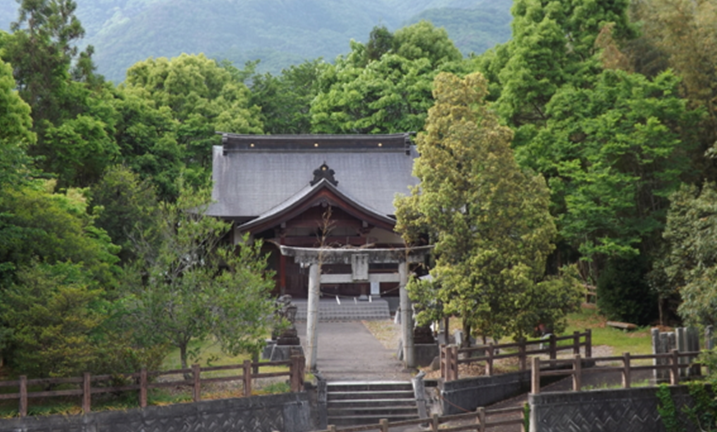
{"x": 348, "y": 310}
{"x": 357, "y": 420}
{"x": 374, "y": 411}
{"x": 362, "y": 386}
{"x": 390, "y": 394}
{"x": 368, "y": 403}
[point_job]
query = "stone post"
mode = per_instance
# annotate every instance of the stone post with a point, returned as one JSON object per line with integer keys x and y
{"x": 406, "y": 317}
{"x": 312, "y": 316}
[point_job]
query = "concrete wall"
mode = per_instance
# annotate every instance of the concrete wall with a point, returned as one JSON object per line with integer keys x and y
{"x": 471, "y": 393}
{"x": 633, "y": 410}
{"x": 288, "y": 412}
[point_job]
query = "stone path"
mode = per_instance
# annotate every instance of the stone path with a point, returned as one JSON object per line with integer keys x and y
{"x": 349, "y": 352}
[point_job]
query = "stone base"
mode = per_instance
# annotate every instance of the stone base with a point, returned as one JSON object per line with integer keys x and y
{"x": 274, "y": 352}
{"x": 425, "y": 353}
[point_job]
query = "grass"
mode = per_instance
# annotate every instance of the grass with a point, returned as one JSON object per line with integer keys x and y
{"x": 635, "y": 342}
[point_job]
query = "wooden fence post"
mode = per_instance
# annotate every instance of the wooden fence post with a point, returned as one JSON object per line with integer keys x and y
{"x": 489, "y": 362}
{"x": 553, "y": 347}
{"x": 86, "y": 393}
{"x": 675, "y": 368}
{"x": 247, "y": 378}
{"x": 626, "y": 371}
{"x": 296, "y": 374}
{"x": 535, "y": 375}
{"x": 383, "y": 425}
{"x": 23, "y": 396}
{"x": 434, "y": 422}
{"x": 588, "y": 343}
{"x": 577, "y": 373}
{"x": 197, "y": 390}
{"x": 481, "y": 418}
{"x": 442, "y": 361}
{"x": 332, "y": 428}
{"x": 454, "y": 362}
{"x": 576, "y": 342}
{"x": 522, "y": 357}
{"x": 143, "y": 388}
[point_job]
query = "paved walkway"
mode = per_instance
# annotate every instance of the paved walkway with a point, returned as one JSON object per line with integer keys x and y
{"x": 349, "y": 352}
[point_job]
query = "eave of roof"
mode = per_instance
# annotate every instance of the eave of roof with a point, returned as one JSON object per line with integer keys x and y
{"x": 309, "y": 196}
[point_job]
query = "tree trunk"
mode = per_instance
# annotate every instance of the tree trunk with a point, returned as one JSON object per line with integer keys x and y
{"x": 183, "y": 359}
{"x": 466, "y": 342}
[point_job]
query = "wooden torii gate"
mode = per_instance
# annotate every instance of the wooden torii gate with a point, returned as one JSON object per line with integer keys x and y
{"x": 359, "y": 260}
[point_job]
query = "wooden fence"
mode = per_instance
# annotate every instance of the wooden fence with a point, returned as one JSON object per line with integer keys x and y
{"x": 577, "y": 370}
{"x": 478, "y": 420}
{"x": 449, "y": 356}
{"x": 143, "y": 380}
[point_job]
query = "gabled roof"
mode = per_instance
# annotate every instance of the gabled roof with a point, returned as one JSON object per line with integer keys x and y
{"x": 321, "y": 192}
{"x": 252, "y": 181}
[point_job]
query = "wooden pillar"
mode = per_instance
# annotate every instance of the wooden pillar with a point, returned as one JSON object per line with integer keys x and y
{"x": 282, "y": 265}
{"x": 312, "y": 316}
{"x": 406, "y": 317}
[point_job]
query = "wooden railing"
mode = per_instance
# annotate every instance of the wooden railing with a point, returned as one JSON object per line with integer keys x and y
{"x": 576, "y": 369}
{"x": 449, "y": 356}
{"x": 144, "y": 380}
{"x": 477, "y": 420}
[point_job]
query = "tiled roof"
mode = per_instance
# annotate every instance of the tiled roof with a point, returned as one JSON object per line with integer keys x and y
{"x": 251, "y": 181}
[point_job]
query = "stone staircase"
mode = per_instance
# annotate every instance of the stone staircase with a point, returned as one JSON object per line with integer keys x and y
{"x": 348, "y": 310}
{"x": 359, "y": 403}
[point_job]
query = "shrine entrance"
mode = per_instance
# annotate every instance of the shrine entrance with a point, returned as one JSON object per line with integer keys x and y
{"x": 359, "y": 260}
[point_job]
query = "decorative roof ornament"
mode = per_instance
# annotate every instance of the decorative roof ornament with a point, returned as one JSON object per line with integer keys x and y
{"x": 324, "y": 172}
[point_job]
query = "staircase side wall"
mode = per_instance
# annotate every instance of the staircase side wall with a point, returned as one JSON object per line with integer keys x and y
{"x": 290, "y": 412}
{"x": 633, "y": 410}
{"x": 467, "y": 394}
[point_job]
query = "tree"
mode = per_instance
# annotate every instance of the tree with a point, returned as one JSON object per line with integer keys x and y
{"x": 203, "y": 97}
{"x": 71, "y": 117}
{"x": 124, "y": 206}
{"x": 191, "y": 285}
{"x": 691, "y": 264}
{"x": 385, "y": 95}
{"x": 51, "y": 321}
{"x": 613, "y": 153}
{"x": 15, "y": 131}
{"x": 285, "y": 100}
{"x": 553, "y": 45}
{"x": 489, "y": 219}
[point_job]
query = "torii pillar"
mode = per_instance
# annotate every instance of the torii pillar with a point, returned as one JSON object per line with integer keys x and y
{"x": 359, "y": 260}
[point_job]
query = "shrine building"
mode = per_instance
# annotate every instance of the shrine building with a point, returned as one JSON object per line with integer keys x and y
{"x": 312, "y": 191}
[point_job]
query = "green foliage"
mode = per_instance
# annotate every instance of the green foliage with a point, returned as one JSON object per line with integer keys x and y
{"x": 623, "y": 291}
{"x": 124, "y": 206}
{"x": 15, "y": 130}
{"x": 147, "y": 139}
{"x": 667, "y": 410}
{"x": 691, "y": 264}
{"x": 192, "y": 286}
{"x": 473, "y": 30}
{"x": 203, "y": 98}
{"x": 553, "y": 45}
{"x": 285, "y": 100}
{"x": 424, "y": 41}
{"x": 613, "y": 154}
{"x": 36, "y": 223}
{"x": 51, "y": 318}
{"x": 489, "y": 219}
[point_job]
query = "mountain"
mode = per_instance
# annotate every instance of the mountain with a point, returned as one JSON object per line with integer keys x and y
{"x": 279, "y": 32}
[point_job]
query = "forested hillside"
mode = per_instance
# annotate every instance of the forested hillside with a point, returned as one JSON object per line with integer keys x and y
{"x": 278, "y": 32}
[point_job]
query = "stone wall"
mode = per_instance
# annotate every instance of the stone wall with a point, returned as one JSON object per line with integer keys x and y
{"x": 467, "y": 394}
{"x": 290, "y": 412}
{"x": 633, "y": 410}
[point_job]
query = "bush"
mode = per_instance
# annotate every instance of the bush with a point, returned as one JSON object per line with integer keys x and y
{"x": 623, "y": 291}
